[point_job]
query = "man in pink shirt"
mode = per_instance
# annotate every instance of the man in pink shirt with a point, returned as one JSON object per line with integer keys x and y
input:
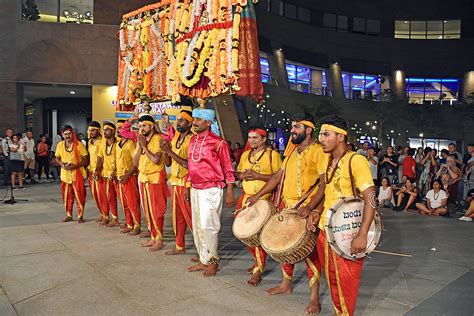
{"x": 210, "y": 171}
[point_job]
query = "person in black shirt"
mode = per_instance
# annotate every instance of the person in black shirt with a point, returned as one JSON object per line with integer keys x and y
{"x": 389, "y": 165}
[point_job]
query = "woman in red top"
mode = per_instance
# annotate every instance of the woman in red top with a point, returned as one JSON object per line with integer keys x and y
{"x": 409, "y": 164}
{"x": 43, "y": 158}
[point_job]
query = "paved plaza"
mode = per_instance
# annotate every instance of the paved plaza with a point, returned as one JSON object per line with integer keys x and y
{"x": 53, "y": 268}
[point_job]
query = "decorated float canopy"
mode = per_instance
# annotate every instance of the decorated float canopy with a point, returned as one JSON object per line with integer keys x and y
{"x": 192, "y": 48}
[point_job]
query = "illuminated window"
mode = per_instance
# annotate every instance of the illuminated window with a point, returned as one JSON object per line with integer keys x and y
{"x": 432, "y": 91}
{"x": 449, "y": 29}
{"x": 265, "y": 68}
{"x": 59, "y": 11}
{"x": 362, "y": 86}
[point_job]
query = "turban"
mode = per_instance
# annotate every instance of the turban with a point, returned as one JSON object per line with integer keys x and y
{"x": 208, "y": 115}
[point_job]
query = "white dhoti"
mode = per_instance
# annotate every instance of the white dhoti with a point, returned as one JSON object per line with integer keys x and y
{"x": 206, "y": 214}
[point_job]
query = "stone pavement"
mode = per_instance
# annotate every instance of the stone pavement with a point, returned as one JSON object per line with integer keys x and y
{"x": 53, "y": 268}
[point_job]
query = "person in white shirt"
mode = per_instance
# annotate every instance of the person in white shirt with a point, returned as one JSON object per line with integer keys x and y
{"x": 373, "y": 163}
{"x": 29, "y": 155}
{"x": 436, "y": 201}
{"x": 385, "y": 197}
{"x": 363, "y": 151}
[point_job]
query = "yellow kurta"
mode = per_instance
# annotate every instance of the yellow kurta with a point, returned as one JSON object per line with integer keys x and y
{"x": 340, "y": 186}
{"x": 108, "y": 154}
{"x": 93, "y": 149}
{"x": 301, "y": 172}
{"x": 124, "y": 157}
{"x": 179, "y": 174}
{"x": 67, "y": 156}
{"x": 148, "y": 171}
{"x": 265, "y": 165}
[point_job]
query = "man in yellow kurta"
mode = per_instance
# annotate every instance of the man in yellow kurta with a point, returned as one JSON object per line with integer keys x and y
{"x": 150, "y": 161}
{"x": 72, "y": 157}
{"x": 95, "y": 138}
{"x": 181, "y": 205}
{"x": 343, "y": 275}
{"x": 106, "y": 170}
{"x": 301, "y": 170}
{"x": 128, "y": 193}
{"x": 257, "y": 165}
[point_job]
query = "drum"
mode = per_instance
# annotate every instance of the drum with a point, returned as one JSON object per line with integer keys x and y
{"x": 343, "y": 221}
{"x": 249, "y": 222}
{"x": 286, "y": 238}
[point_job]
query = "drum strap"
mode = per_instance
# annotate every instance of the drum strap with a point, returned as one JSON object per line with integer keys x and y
{"x": 355, "y": 191}
{"x": 307, "y": 194}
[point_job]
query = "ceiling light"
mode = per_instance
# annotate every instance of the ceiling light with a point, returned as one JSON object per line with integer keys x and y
{"x": 72, "y": 92}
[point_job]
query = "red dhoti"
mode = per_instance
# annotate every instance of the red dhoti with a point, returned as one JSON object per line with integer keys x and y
{"x": 130, "y": 200}
{"x": 153, "y": 197}
{"x": 94, "y": 187}
{"x": 107, "y": 191}
{"x": 181, "y": 215}
{"x": 343, "y": 277}
{"x": 313, "y": 268}
{"x": 259, "y": 255}
{"x": 74, "y": 191}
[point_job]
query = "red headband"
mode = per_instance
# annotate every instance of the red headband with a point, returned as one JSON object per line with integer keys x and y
{"x": 259, "y": 131}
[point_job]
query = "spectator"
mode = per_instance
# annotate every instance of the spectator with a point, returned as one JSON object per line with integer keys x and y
{"x": 364, "y": 149}
{"x": 55, "y": 142}
{"x": 6, "y": 142}
{"x": 29, "y": 155}
{"x": 389, "y": 165}
{"x": 426, "y": 177}
{"x": 434, "y": 161}
{"x": 80, "y": 137}
{"x": 436, "y": 202}
{"x": 17, "y": 160}
{"x": 409, "y": 164}
{"x": 450, "y": 188}
{"x": 469, "y": 170}
{"x": 43, "y": 158}
{"x": 469, "y": 215}
{"x": 457, "y": 155}
{"x": 55, "y": 167}
{"x": 450, "y": 168}
{"x": 351, "y": 147}
{"x": 385, "y": 197}
{"x": 237, "y": 152}
{"x": 373, "y": 163}
{"x": 444, "y": 156}
{"x": 402, "y": 153}
{"x": 407, "y": 196}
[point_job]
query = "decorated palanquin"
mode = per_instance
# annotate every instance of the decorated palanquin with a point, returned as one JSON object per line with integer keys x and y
{"x": 194, "y": 48}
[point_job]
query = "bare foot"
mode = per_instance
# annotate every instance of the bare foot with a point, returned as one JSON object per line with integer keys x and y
{"x": 197, "y": 267}
{"x": 284, "y": 288}
{"x": 157, "y": 246}
{"x": 124, "y": 225}
{"x": 255, "y": 279}
{"x": 211, "y": 270}
{"x": 98, "y": 219}
{"x": 195, "y": 259}
{"x": 135, "y": 232}
{"x": 145, "y": 234}
{"x": 113, "y": 223}
{"x": 125, "y": 230}
{"x": 67, "y": 219}
{"x": 149, "y": 243}
{"x": 80, "y": 220}
{"x": 175, "y": 252}
{"x": 313, "y": 308}
{"x": 104, "y": 222}
{"x": 405, "y": 211}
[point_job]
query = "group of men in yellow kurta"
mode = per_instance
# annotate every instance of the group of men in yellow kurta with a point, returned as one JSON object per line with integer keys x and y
{"x": 130, "y": 167}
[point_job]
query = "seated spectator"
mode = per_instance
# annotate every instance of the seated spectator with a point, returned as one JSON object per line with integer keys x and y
{"x": 436, "y": 202}
{"x": 385, "y": 197}
{"x": 364, "y": 149}
{"x": 451, "y": 188}
{"x": 409, "y": 164}
{"x": 407, "y": 196}
{"x": 469, "y": 215}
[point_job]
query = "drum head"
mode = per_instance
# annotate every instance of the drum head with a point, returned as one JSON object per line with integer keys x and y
{"x": 250, "y": 220}
{"x": 343, "y": 223}
{"x": 282, "y": 232}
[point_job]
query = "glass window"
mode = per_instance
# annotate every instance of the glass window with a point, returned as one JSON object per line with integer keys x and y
{"x": 291, "y": 71}
{"x": 265, "y": 68}
{"x": 72, "y": 11}
{"x": 276, "y": 7}
{"x": 434, "y": 30}
{"x": 342, "y": 22}
{"x": 421, "y": 90}
{"x": 329, "y": 20}
{"x": 358, "y": 25}
{"x": 303, "y": 74}
{"x": 290, "y": 11}
{"x": 418, "y": 29}
{"x": 452, "y": 29}
{"x": 402, "y": 29}
{"x": 373, "y": 26}
{"x": 304, "y": 15}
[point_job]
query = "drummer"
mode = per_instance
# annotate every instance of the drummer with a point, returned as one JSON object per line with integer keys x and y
{"x": 257, "y": 165}
{"x": 301, "y": 169}
{"x": 343, "y": 275}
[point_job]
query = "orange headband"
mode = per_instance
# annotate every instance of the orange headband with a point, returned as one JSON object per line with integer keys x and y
{"x": 109, "y": 127}
{"x": 307, "y": 123}
{"x": 329, "y": 127}
{"x": 186, "y": 116}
